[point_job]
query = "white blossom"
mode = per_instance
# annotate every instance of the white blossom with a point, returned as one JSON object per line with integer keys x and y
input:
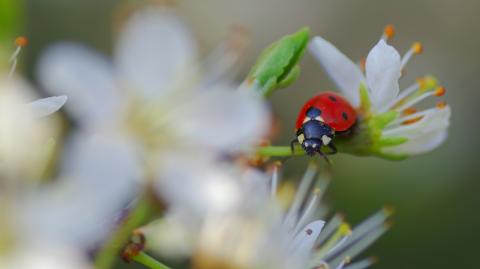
{"x": 153, "y": 94}
{"x": 414, "y": 132}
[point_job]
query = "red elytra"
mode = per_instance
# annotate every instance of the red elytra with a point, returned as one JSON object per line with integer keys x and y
{"x": 337, "y": 112}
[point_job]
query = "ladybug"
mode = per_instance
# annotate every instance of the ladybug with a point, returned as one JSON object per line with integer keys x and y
{"x": 320, "y": 119}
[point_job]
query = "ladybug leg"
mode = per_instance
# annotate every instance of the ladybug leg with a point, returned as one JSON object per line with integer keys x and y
{"x": 333, "y": 149}
{"x": 292, "y": 145}
{"x": 321, "y": 153}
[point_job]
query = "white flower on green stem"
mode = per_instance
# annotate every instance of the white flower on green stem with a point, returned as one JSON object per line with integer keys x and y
{"x": 395, "y": 129}
{"x": 253, "y": 228}
{"x": 155, "y": 95}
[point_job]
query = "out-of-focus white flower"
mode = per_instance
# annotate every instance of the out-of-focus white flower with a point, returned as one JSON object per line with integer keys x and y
{"x": 154, "y": 95}
{"x": 256, "y": 230}
{"x": 44, "y": 256}
{"x": 400, "y": 129}
{"x": 74, "y": 212}
{"x": 38, "y": 230}
{"x": 25, "y": 138}
{"x": 24, "y": 132}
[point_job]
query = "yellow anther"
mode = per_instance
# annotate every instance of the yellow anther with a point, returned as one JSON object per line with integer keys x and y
{"x": 21, "y": 41}
{"x": 440, "y": 91}
{"x": 409, "y": 111}
{"x": 389, "y": 31}
{"x": 388, "y": 210}
{"x": 410, "y": 121}
{"x": 344, "y": 229}
{"x": 317, "y": 191}
{"x": 417, "y": 47}
{"x": 427, "y": 82}
{"x": 374, "y": 259}
{"x": 441, "y": 105}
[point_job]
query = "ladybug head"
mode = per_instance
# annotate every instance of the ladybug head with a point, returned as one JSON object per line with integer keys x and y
{"x": 314, "y": 134}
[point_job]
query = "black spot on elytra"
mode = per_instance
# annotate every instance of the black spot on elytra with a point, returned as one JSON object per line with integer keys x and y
{"x": 344, "y": 115}
{"x": 332, "y": 98}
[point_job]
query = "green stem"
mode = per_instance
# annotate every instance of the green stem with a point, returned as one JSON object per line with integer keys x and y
{"x": 148, "y": 261}
{"x": 110, "y": 251}
{"x": 279, "y": 151}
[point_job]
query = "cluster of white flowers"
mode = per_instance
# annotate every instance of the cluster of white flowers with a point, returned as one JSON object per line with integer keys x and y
{"x": 250, "y": 222}
{"x": 159, "y": 121}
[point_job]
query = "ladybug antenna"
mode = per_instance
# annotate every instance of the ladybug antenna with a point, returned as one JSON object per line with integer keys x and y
{"x": 20, "y": 42}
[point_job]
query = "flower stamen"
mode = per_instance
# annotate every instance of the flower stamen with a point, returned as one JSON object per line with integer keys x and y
{"x": 388, "y": 32}
{"x": 439, "y": 91}
{"x": 20, "y": 42}
{"x": 403, "y": 95}
{"x": 412, "y": 118}
{"x": 415, "y": 49}
{"x": 344, "y": 262}
{"x": 362, "y": 63}
{"x": 312, "y": 204}
{"x": 441, "y": 105}
{"x": 275, "y": 177}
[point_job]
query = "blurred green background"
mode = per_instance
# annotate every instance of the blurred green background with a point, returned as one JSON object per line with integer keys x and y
{"x": 436, "y": 196}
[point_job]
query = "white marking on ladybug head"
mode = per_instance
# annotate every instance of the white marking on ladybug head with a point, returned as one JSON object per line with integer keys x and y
{"x": 307, "y": 119}
{"x": 326, "y": 139}
{"x": 306, "y": 144}
{"x": 301, "y": 138}
{"x": 314, "y": 145}
{"x": 318, "y": 118}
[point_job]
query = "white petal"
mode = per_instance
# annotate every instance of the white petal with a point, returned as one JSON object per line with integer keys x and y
{"x": 23, "y": 137}
{"x": 424, "y": 135}
{"x": 435, "y": 119}
{"x": 197, "y": 183}
{"x": 420, "y": 144}
{"x": 102, "y": 157}
{"x": 45, "y": 256}
{"x": 173, "y": 235}
{"x": 221, "y": 118}
{"x": 46, "y": 106}
{"x": 154, "y": 52}
{"x": 305, "y": 240}
{"x": 85, "y": 77}
{"x": 99, "y": 177}
{"x": 382, "y": 72}
{"x": 346, "y": 74}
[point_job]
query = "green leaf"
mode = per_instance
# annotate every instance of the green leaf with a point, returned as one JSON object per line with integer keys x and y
{"x": 290, "y": 78}
{"x": 277, "y": 66}
{"x": 11, "y": 12}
